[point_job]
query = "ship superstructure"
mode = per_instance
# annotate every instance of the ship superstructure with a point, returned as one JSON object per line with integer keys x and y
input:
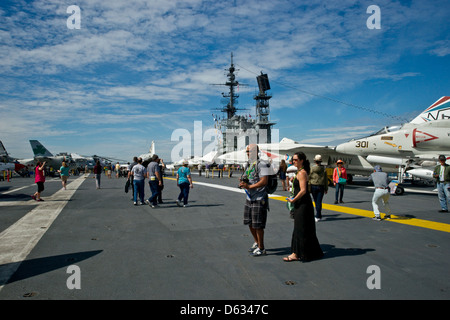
{"x": 241, "y": 130}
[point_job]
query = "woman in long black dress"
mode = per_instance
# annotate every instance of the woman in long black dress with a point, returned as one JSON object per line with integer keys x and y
{"x": 304, "y": 246}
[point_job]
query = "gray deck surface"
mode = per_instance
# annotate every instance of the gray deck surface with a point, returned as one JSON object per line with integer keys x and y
{"x": 201, "y": 252}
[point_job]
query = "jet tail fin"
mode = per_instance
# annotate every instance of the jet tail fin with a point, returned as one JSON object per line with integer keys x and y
{"x": 152, "y": 148}
{"x": 3, "y": 150}
{"x": 39, "y": 150}
{"x": 440, "y": 110}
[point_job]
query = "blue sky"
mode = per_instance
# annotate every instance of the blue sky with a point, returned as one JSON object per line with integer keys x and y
{"x": 138, "y": 70}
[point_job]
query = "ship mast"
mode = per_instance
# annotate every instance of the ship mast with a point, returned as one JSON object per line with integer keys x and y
{"x": 230, "y": 108}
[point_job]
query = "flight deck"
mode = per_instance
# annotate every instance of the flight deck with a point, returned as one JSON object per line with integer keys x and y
{"x": 87, "y": 243}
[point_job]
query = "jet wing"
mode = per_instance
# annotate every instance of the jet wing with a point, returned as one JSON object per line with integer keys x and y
{"x": 210, "y": 157}
{"x": 288, "y": 147}
{"x": 42, "y": 159}
{"x": 235, "y": 157}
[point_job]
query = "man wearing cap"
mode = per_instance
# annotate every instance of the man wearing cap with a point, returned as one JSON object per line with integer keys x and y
{"x": 381, "y": 182}
{"x": 442, "y": 175}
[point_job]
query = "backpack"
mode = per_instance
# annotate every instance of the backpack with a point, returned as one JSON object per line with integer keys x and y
{"x": 272, "y": 183}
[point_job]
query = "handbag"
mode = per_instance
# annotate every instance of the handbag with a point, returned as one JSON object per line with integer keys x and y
{"x": 127, "y": 185}
{"x": 290, "y": 205}
{"x": 341, "y": 180}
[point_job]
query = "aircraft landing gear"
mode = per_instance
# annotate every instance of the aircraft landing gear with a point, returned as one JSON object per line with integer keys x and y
{"x": 399, "y": 191}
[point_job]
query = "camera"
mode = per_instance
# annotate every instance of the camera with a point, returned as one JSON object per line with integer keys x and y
{"x": 245, "y": 179}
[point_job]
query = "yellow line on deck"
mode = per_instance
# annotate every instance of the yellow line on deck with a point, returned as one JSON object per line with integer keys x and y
{"x": 369, "y": 214}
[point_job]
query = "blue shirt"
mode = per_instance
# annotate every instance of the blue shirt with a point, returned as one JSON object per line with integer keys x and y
{"x": 64, "y": 171}
{"x": 183, "y": 172}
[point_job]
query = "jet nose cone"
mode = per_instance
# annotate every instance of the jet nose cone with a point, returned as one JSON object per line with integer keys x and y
{"x": 341, "y": 148}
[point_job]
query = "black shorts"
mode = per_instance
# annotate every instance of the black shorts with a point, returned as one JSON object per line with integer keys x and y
{"x": 40, "y": 186}
{"x": 255, "y": 214}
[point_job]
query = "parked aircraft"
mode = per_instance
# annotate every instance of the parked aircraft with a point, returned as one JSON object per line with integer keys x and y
{"x": 83, "y": 161}
{"x": 7, "y": 162}
{"x": 54, "y": 162}
{"x": 416, "y": 145}
{"x": 146, "y": 157}
{"x": 90, "y": 161}
{"x": 208, "y": 158}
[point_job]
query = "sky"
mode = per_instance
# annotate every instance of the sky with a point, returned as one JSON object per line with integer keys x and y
{"x": 135, "y": 71}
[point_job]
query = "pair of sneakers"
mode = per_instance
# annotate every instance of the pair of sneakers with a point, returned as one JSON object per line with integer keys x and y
{"x": 181, "y": 205}
{"x": 255, "y": 251}
{"x": 378, "y": 218}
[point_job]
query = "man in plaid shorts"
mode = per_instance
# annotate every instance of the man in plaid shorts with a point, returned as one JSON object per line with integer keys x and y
{"x": 254, "y": 181}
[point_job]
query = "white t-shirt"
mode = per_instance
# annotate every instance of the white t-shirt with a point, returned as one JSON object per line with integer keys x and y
{"x": 441, "y": 173}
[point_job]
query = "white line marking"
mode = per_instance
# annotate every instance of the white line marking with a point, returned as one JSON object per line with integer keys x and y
{"x": 218, "y": 186}
{"x": 13, "y": 190}
{"x": 18, "y": 240}
{"x": 30, "y": 202}
{"x": 234, "y": 189}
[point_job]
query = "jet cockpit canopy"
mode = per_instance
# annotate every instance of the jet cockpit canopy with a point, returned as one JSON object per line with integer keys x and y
{"x": 387, "y": 129}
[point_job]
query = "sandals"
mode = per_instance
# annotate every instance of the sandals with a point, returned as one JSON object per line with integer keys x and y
{"x": 290, "y": 259}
